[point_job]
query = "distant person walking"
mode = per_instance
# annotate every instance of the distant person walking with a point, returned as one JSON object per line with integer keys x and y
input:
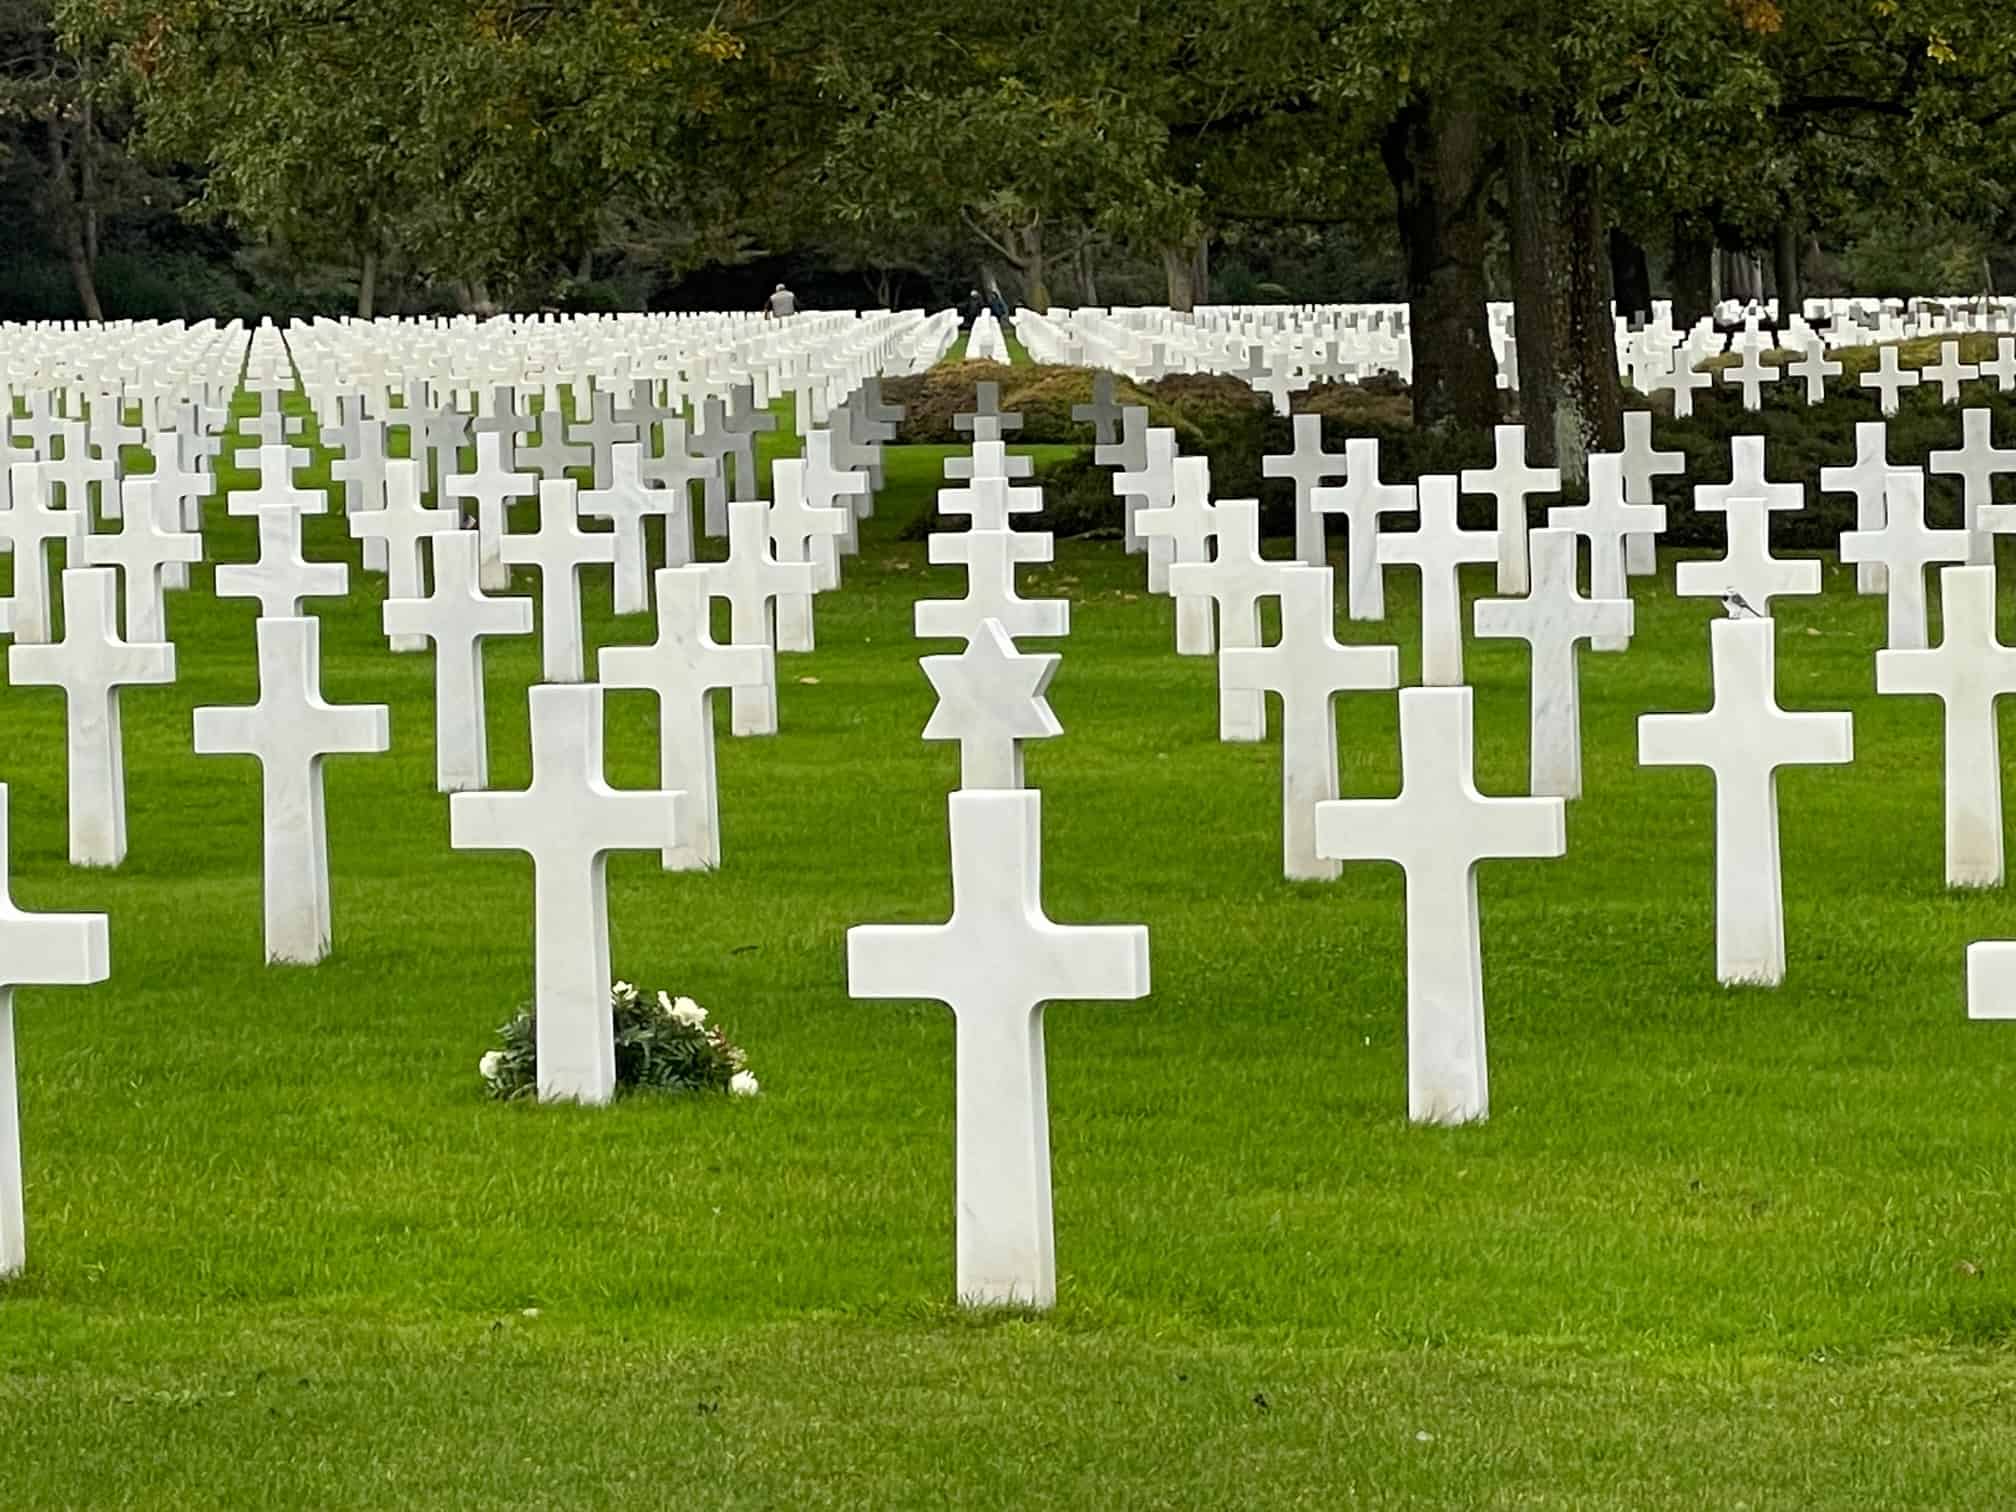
{"x": 970, "y": 312}
{"x": 781, "y": 302}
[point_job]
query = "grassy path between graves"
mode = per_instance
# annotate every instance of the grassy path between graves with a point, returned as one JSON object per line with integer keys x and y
{"x": 1713, "y": 1249}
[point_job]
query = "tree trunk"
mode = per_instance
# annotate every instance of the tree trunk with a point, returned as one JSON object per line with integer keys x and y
{"x": 1434, "y": 154}
{"x": 1032, "y": 266}
{"x": 1200, "y": 270}
{"x": 1088, "y": 278}
{"x": 1181, "y": 270}
{"x": 1785, "y": 264}
{"x": 367, "y": 284}
{"x": 1569, "y": 396}
{"x": 1693, "y": 276}
{"x": 87, "y": 175}
{"x": 70, "y": 225}
{"x": 585, "y": 273}
{"x": 1630, "y": 276}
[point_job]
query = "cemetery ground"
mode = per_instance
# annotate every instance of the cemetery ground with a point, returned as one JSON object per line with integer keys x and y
{"x": 1713, "y": 1247}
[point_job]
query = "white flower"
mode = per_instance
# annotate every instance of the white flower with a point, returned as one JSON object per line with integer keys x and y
{"x": 624, "y": 993}
{"x": 664, "y": 1002}
{"x": 688, "y": 1012}
{"x": 491, "y": 1064}
{"x": 742, "y": 1084}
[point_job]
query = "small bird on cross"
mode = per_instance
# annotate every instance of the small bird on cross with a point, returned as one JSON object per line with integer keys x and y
{"x": 1738, "y": 607}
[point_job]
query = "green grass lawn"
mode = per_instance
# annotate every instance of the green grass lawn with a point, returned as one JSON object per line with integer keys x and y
{"x": 1713, "y": 1249}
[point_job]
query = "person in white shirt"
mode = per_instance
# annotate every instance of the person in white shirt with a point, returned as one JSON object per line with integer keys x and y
{"x": 782, "y": 302}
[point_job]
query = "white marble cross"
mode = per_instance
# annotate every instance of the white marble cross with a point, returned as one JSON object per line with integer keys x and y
{"x": 1751, "y": 372}
{"x": 798, "y": 531}
{"x": 1991, "y": 980}
{"x": 559, "y": 549}
{"x": 568, "y": 821}
{"x": 1181, "y": 531}
{"x": 1438, "y": 829}
{"x": 990, "y": 558}
{"x": 1743, "y": 739}
{"x": 1607, "y": 521}
{"x": 987, "y": 459}
{"x": 996, "y": 962}
{"x": 1308, "y": 668}
{"x": 1510, "y": 481}
{"x": 553, "y": 454}
{"x": 1309, "y": 466}
{"x": 149, "y": 541}
{"x": 292, "y": 731}
{"x": 36, "y": 950}
{"x": 1439, "y": 548}
{"x": 1977, "y": 464}
{"x": 989, "y": 501}
{"x": 624, "y": 503}
{"x": 752, "y": 580}
{"x": 1151, "y": 488}
{"x": 672, "y": 474}
{"x": 1554, "y": 619}
{"x": 2002, "y": 366}
{"x": 405, "y": 525}
{"x": 27, "y": 526}
{"x": 183, "y": 488}
{"x": 1127, "y": 455}
{"x": 91, "y": 664}
{"x": 458, "y": 617}
{"x": 828, "y": 485}
{"x": 276, "y": 488}
{"x": 1640, "y": 464}
{"x": 490, "y": 488}
{"x": 1682, "y": 381}
{"x": 1747, "y": 568}
{"x": 1362, "y": 500}
{"x": 1949, "y": 372}
{"x": 1969, "y": 672}
{"x": 82, "y": 476}
{"x": 990, "y": 700}
{"x": 1102, "y": 414}
{"x": 601, "y": 433}
{"x": 1867, "y": 478}
{"x": 1904, "y": 547}
{"x": 282, "y": 578}
{"x": 1237, "y": 578}
{"x": 361, "y": 471}
{"x": 682, "y": 668}
{"x": 1888, "y": 379}
{"x": 987, "y": 422}
{"x": 1814, "y": 368}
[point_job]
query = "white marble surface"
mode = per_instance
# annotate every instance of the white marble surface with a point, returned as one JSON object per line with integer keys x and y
{"x": 90, "y": 664}
{"x": 1438, "y": 829}
{"x": 1438, "y": 549}
{"x": 1554, "y": 619}
{"x": 996, "y": 962}
{"x": 683, "y": 667}
{"x": 1904, "y": 546}
{"x": 1308, "y": 669}
{"x": 1968, "y": 673}
{"x": 36, "y": 950}
{"x": 568, "y": 822}
{"x": 291, "y": 731}
{"x": 457, "y": 616}
{"x": 1744, "y": 739}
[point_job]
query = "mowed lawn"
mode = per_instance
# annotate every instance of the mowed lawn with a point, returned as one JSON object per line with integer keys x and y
{"x": 1714, "y": 1248}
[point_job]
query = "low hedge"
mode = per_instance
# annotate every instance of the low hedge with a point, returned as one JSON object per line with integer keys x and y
{"x": 1221, "y": 418}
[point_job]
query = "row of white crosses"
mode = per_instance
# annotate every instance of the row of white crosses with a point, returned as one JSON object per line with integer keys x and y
{"x": 1440, "y": 827}
{"x": 999, "y": 959}
{"x": 570, "y": 820}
